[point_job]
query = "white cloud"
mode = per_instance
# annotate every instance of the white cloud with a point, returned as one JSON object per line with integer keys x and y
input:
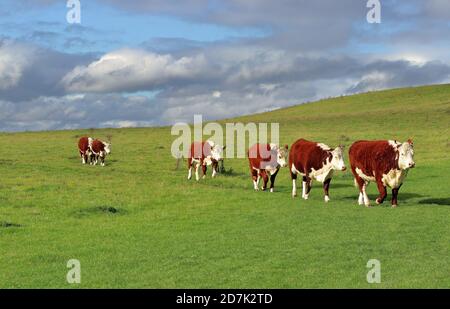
{"x": 131, "y": 69}
{"x": 14, "y": 59}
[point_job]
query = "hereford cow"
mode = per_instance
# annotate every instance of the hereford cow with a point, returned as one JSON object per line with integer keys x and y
{"x": 99, "y": 150}
{"x": 84, "y": 147}
{"x": 265, "y": 159}
{"x": 314, "y": 161}
{"x": 384, "y": 162}
{"x": 204, "y": 154}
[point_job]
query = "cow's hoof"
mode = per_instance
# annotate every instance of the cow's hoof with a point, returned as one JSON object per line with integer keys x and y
{"x": 326, "y": 199}
{"x": 263, "y": 189}
{"x": 394, "y": 206}
{"x": 378, "y": 201}
{"x": 368, "y": 206}
{"x": 271, "y": 190}
{"x": 203, "y": 177}
{"x": 294, "y": 195}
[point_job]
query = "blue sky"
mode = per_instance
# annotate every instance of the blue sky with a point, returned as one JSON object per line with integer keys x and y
{"x": 157, "y": 62}
{"x": 106, "y": 28}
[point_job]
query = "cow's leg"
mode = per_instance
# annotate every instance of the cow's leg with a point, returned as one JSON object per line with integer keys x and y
{"x": 197, "y": 166}
{"x": 265, "y": 178}
{"x": 204, "y": 171}
{"x": 326, "y": 187}
{"x": 272, "y": 180}
{"x": 83, "y": 159}
{"x": 255, "y": 178}
{"x": 294, "y": 183}
{"x": 102, "y": 161}
{"x": 362, "y": 187}
{"x": 214, "y": 169}
{"x": 365, "y": 196}
{"x": 306, "y": 186}
{"x": 189, "y": 168}
{"x": 394, "y": 196}
{"x": 382, "y": 189}
{"x": 303, "y": 186}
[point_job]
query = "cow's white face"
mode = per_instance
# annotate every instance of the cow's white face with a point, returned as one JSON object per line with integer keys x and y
{"x": 217, "y": 152}
{"x": 406, "y": 155}
{"x": 107, "y": 148}
{"x": 337, "y": 161}
{"x": 282, "y": 154}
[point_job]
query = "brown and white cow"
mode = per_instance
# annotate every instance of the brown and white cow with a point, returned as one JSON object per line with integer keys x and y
{"x": 384, "y": 162}
{"x": 204, "y": 154}
{"x": 99, "y": 150}
{"x": 314, "y": 161}
{"x": 265, "y": 160}
{"x": 84, "y": 148}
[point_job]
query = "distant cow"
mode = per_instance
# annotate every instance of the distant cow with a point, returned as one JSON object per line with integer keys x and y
{"x": 266, "y": 159}
{"x": 99, "y": 150}
{"x": 384, "y": 162}
{"x": 204, "y": 154}
{"x": 314, "y": 160}
{"x": 84, "y": 148}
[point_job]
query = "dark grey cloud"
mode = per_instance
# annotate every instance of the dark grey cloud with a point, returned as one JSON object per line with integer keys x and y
{"x": 77, "y": 111}
{"x": 32, "y": 71}
{"x": 390, "y": 74}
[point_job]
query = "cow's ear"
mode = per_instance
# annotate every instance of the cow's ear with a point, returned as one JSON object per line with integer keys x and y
{"x": 342, "y": 146}
{"x": 410, "y": 141}
{"x": 286, "y": 147}
{"x": 223, "y": 148}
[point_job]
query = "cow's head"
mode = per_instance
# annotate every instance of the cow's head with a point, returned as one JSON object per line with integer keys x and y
{"x": 406, "y": 155}
{"x": 282, "y": 154}
{"x": 337, "y": 159}
{"x": 216, "y": 151}
{"x": 107, "y": 147}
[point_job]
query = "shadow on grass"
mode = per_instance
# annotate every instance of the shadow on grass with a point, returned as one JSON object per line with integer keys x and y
{"x": 401, "y": 196}
{"x": 8, "y": 224}
{"x": 338, "y": 185}
{"x": 231, "y": 172}
{"x": 98, "y": 210}
{"x": 436, "y": 201}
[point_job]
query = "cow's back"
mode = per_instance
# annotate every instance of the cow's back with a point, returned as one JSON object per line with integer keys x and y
{"x": 83, "y": 144}
{"x": 306, "y": 154}
{"x": 97, "y": 146}
{"x": 370, "y": 156}
{"x": 258, "y": 154}
{"x": 199, "y": 151}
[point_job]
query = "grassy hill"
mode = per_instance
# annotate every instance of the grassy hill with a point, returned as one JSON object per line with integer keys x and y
{"x": 139, "y": 223}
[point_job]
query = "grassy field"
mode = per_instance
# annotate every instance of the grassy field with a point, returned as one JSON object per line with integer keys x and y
{"x": 138, "y": 222}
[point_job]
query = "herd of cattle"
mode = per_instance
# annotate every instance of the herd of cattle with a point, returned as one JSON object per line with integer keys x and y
{"x": 385, "y": 162}
{"x": 91, "y": 150}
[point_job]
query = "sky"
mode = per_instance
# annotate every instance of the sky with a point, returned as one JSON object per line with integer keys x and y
{"x": 158, "y": 62}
